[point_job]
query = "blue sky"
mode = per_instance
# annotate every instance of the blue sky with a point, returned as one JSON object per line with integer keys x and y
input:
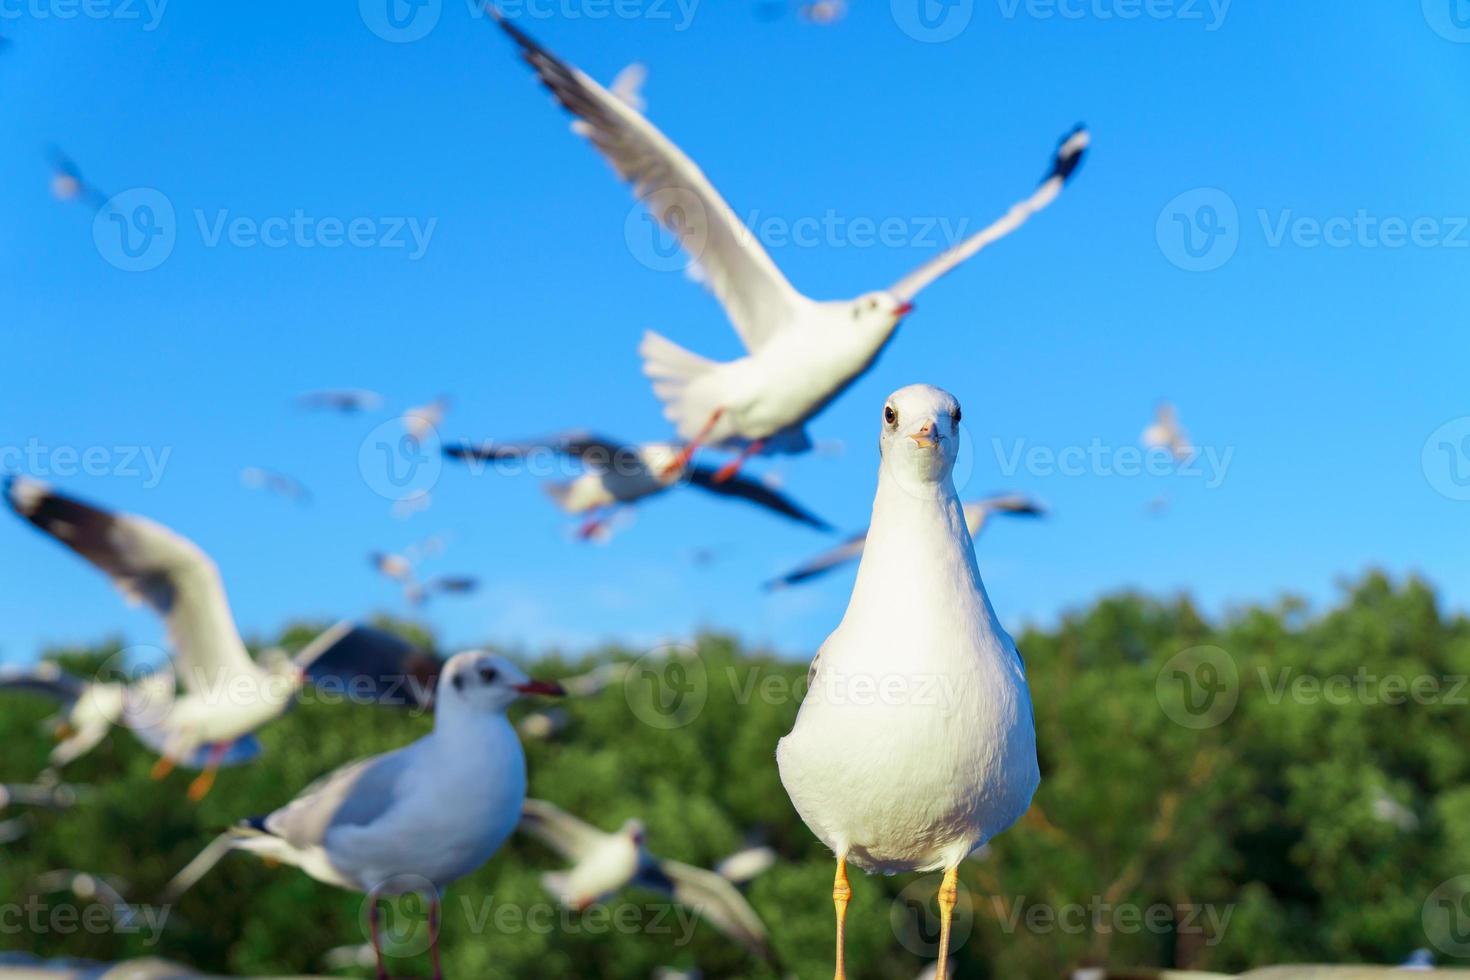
{"x": 1322, "y": 361}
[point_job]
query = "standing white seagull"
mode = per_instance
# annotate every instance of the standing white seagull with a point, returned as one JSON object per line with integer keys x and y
{"x": 943, "y": 757}
{"x": 227, "y": 694}
{"x": 802, "y": 353}
{"x": 977, "y": 513}
{"x": 412, "y": 820}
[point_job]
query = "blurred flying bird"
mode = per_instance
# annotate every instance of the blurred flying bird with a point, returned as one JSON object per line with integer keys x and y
{"x": 543, "y": 725}
{"x": 619, "y": 474}
{"x": 151, "y": 564}
{"x": 976, "y": 513}
{"x": 597, "y": 680}
{"x": 44, "y": 795}
{"x": 402, "y": 569}
{"x": 412, "y": 820}
{"x": 824, "y": 11}
{"x": 67, "y": 183}
{"x": 421, "y": 420}
{"x": 87, "y": 887}
{"x": 415, "y": 503}
{"x": 419, "y": 593}
{"x": 1165, "y": 432}
{"x": 913, "y": 781}
{"x": 88, "y": 709}
{"x": 348, "y": 401}
{"x": 1388, "y": 810}
{"x": 277, "y": 483}
{"x": 603, "y": 864}
{"x": 747, "y": 864}
{"x": 801, "y": 353}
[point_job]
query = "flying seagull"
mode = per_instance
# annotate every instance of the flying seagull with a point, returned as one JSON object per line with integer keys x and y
{"x": 227, "y": 695}
{"x": 68, "y": 184}
{"x": 976, "y": 514}
{"x": 1165, "y": 432}
{"x": 801, "y": 354}
{"x": 918, "y": 778}
{"x": 411, "y": 820}
{"x": 280, "y": 484}
{"x": 603, "y": 864}
{"x": 619, "y": 474}
{"x": 347, "y": 401}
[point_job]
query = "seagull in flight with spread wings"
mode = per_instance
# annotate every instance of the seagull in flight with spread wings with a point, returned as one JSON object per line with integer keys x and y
{"x": 976, "y": 513}
{"x": 227, "y": 694}
{"x": 618, "y": 474}
{"x": 801, "y": 353}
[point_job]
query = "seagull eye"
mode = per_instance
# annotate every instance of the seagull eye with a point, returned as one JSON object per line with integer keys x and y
{"x": 955, "y": 415}
{"x": 889, "y": 415}
{"x": 488, "y": 675}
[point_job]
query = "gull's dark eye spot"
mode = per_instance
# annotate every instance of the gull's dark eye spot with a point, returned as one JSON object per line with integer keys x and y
{"x": 889, "y": 415}
{"x": 458, "y": 681}
{"x": 955, "y": 415}
{"x": 488, "y": 675}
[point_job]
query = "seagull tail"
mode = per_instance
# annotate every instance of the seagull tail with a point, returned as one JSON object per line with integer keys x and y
{"x": 673, "y": 371}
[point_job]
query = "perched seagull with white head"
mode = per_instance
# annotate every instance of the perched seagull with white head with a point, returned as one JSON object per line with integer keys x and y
{"x": 603, "y": 864}
{"x": 619, "y": 474}
{"x": 945, "y": 757}
{"x": 414, "y": 819}
{"x": 1165, "y": 432}
{"x": 801, "y": 353}
{"x": 227, "y": 694}
{"x": 977, "y": 513}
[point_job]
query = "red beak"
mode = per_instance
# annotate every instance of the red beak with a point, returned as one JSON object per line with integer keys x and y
{"x": 904, "y": 310}
{"x": 550, "y": 689}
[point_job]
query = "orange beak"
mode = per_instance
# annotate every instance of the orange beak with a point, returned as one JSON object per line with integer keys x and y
{"x": 924, "y": 437}
{"x": 903, "y": 310}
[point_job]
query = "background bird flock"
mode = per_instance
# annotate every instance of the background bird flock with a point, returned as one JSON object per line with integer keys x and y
{"x": 799, "y": 355}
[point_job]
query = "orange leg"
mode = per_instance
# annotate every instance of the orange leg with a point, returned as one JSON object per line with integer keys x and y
{"x": 161, "y": 768}
{"x": 841, "y": 895}
{"x": 948, "y": 895}
{"x": 593, "y": 525}
{"x": 682, "y": 460}
{"x": 731, "y": 468}
{"x": 201, "y": 786}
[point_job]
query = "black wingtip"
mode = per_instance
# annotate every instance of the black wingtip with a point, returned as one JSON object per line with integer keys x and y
{"x": 256, "y": 824}
{"x": 1070, "y": 151}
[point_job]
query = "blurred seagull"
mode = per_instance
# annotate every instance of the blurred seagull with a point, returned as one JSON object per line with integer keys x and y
{"x": 747, "y": 864}
{"x": 278, "y": 483}
{"x": 89, "y": 709}
{"x": 87, "y": 887}
{"x": 604, "y": 864}
{"x": 824, "y": 11}
{"x": 543, "y": 725}
{"x": 227, "y": 694}
{"x": 801, "y": 353}
{"x": 45, "y": 796}
{"x": 67, "y": 183}
{"x": 347, "y": 401}
{"x": 419, "y": 593}
{"x": 597, "y": 680}
{"x": 913, "y": 781}
{"x": 411, "y": 820}
{"x": 618, "y": 474}
{"x": 420, "y": 421}
{"x": 1165, "y": 432}
{"x": 976, "y": 513}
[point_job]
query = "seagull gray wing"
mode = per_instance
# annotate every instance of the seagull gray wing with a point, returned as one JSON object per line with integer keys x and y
{"x": 371, "y": 664}
{"x": 559, "y": 830}
{"x": 1016, "y": 504}
{"x": 756, "y": 296}
{"x": 710, "y": 897}
{"x": 148, "y": 563}
{"x": 356, "y": 795}
{"x": 593, "y": 450}
{"x": 754, "y": 491}
{"x": 848, "y": 551}
{"x": 1069, "y": 154}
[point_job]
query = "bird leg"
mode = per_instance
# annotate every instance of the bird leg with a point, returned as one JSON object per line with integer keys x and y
{"x": 161, "y": 768}
{"x": 948, "y": 895}
{"x": 841, "y": 894}
{"x": 434, "y": 937}
{"x": 382, "y": 971}
{"x": 201, "y": 786}
{"x": 687, "y": 453}
{"x": 592, "y": 525}
{"x": 731, "y": 468}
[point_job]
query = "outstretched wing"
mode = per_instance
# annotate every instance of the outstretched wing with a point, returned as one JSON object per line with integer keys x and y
{"x": 45, "y": 679}
{"x": 371, "y": 664}
{"x": 756, "y": 297}
{"x": 713, "y": 899}
{"x": 152, "y": 564}
{"x": 1068, "y": 156}
{"x": 559, "y": 830}
{"x": 756, "y": 492}
{"x": 591, "y": 449}
{"x": 848, "y": 551}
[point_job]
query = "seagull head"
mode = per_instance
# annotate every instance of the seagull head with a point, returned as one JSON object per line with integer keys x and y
{"x": 487, "y": 682}
{"x": 634, "y": 830}
{"x": 919, "y": 437}
{"x": 879, "y": 312}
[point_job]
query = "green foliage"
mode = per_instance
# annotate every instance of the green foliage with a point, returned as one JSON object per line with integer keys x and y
{"x": 1261, "y": 838}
